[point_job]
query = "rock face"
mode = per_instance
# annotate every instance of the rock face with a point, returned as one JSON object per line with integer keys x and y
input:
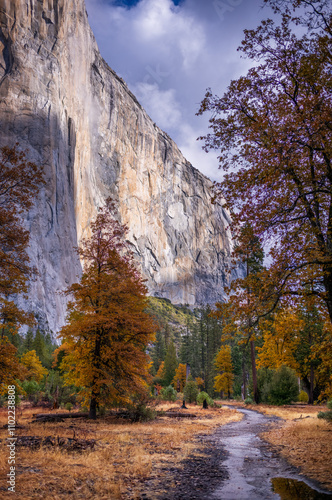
{"x": 62, "y": 103}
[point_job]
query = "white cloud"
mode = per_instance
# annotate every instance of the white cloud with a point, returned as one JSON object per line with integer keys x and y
{"x": 169, "y": 55}
{"x": 191, "y": 148}
{"x": 161, "y": 105}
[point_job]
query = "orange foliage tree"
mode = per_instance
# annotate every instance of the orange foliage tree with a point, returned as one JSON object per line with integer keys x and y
{"x": 19, "y": 183}
{"x": 10, "y": 367}
{"x": 161, "y": 371}
{"x": 108, "y": 327}
{"x": 200, "y": 383}
{"x": 180, "y": 377}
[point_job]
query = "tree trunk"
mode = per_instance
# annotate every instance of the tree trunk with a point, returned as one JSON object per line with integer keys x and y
{"x": 254, "y": 373}
{"x": 244, "y": 375}
{"x": 93, "y": 408}
{"x": 327, "y": 270}
{"x": 311, "y": 389}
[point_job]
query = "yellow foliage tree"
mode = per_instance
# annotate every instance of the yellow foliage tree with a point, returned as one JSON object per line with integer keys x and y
{"x": 281, "y": 336}
{"x": 180, "y": 377}
{"x": 35, "y": 370}
{"x": 161, "y": 371}
{"x": 200, "y": 383}
{"x": 223, "y": 382}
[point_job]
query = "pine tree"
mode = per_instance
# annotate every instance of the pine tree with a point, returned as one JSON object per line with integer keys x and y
{"x": 28, "y": 341}
{"x": 158, "y": 351}
{"x": 170, "y": 363}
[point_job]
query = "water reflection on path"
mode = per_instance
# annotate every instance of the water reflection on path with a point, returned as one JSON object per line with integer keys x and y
{"x": 256, "y": 472}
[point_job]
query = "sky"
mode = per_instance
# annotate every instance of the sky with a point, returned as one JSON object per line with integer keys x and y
{"x": 169, "y": 52}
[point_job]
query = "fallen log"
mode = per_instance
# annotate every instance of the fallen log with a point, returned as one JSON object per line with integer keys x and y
{"x": 176, "y": 414}
{"x": 45, "y": 416}
{"x": 50, "y": 418}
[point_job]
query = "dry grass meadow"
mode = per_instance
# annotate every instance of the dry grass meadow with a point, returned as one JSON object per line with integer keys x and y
{"x": 305, "y": 440}
{"x": 125, "y": 455}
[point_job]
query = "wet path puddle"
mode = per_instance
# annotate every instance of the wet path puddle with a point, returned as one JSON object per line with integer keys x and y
{"x": 255, "y": 471}
{"x": 292, "y": 489}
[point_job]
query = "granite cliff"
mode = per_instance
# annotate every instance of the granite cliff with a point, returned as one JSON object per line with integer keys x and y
{"x": 61, "y": 102}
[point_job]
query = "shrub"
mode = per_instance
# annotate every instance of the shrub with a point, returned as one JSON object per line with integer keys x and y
{"x": 68, "y": 406}
{"x": 303, "y": 397}
{"x": 249, "y": 401}
{"x": 168, "y": 393}
{"x": 190, "y": 392}
{"x": 32, "y": 390}
{"x": 179, "y": 396}
{"x": 264, "y": 379}
{"x": 204, "y": 395}
{"x": 140, "y": 412}
{"x": 30, "y": 387}
{"x": 284, "y": 386}
{"x": 326, "y": 415}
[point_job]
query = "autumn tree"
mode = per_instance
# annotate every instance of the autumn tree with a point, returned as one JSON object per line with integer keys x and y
{"x": 19, "y": 183}
{"x": 223, "y": 382}
{"x": 180, "y": 377}
{"x": 240, "y": 310}
{"x": 35, "y": 370}
{"x": 108, "y": 327}
{"x": 273, "y": 129}
{"x": 10, "y": 367}
{"x": 281, "y": 336}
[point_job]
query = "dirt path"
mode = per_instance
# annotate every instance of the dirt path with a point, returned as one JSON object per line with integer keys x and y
{"x": 235, "y": 464}
{"x": 253, "y": 467}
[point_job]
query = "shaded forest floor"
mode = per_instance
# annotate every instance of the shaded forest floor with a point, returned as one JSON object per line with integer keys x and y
{"x": 125, "y": 457}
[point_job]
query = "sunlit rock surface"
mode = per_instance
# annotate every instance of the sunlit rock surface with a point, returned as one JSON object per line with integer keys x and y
{"x": 61, "y": 101}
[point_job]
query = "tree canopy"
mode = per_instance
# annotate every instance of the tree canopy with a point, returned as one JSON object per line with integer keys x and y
{"x": 273, "y": 129}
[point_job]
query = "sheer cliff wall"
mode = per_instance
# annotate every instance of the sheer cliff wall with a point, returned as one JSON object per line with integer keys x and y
{"x": 60, "y": 101}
